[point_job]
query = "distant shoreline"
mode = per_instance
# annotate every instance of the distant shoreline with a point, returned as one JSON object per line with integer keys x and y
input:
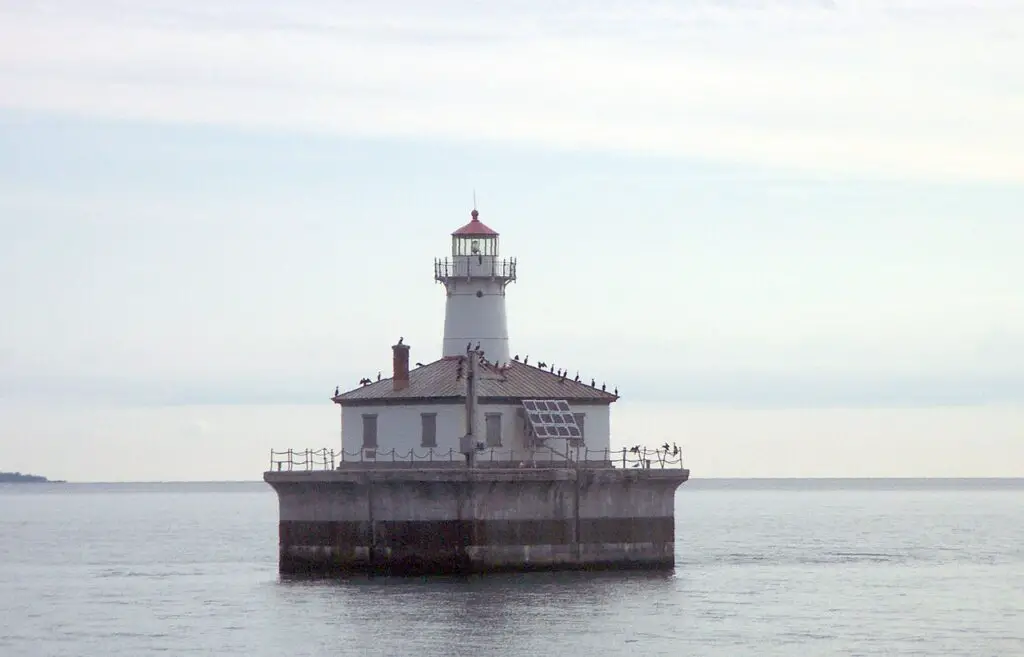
{"x": 20, "y": 478}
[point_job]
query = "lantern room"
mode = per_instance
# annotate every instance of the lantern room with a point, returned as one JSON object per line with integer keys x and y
{"x": 475, "y": 239}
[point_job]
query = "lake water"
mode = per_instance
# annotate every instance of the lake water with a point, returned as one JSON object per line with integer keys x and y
{"x": 763, "y": 568}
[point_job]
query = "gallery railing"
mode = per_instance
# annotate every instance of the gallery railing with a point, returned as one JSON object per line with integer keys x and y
{"x": 487, "y": 266}
{"x": 330, "y": 459}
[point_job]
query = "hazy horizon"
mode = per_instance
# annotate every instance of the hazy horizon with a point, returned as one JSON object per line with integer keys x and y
{"x": 787, "y": 231}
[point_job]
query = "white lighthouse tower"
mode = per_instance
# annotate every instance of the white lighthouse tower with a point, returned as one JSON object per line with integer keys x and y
{"x": 475, "y": 278}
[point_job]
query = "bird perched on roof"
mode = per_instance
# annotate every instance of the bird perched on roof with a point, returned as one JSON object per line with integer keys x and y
{"x": 336, "y": 388}
{"x": 378, "y": 376}
{"x": 516, "y": 358}
{"x": 401, "y": 340}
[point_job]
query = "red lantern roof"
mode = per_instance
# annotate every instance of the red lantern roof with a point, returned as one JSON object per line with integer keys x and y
{"x": 475, "y": 227}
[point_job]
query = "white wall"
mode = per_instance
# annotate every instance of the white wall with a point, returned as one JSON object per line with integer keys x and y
{"x": 472, "y": 318}
{"x": 400, "y": 427}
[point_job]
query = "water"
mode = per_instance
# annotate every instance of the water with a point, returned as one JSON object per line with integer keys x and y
{"x": 797, "y": 568}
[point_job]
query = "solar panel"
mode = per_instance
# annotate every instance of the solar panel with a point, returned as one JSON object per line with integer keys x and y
{"x": 551, "y": 418}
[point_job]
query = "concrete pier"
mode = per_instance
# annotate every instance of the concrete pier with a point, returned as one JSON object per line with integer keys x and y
{"x": 427, "y": 520}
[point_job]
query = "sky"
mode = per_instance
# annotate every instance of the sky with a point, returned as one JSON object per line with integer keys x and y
{"x": 787, "y": 231}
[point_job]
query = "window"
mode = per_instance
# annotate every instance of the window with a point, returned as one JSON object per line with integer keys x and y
{"x": 493, "y": 429}
{"x": 429, "y": 424}
{"x": 370, "y": 431}
{"x": 580, "y": 417}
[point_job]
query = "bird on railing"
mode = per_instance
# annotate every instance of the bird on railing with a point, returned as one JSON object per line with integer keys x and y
{"x": 675, "y": 449}
{"x": 665, "y": 447}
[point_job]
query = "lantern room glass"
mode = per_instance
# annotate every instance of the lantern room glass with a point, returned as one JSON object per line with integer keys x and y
{"x": 474, "y": 245}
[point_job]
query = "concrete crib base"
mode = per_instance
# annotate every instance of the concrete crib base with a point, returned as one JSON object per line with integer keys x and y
{"x": 416, "y": 522}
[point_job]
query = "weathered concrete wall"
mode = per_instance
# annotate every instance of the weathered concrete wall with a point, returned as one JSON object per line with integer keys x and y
{"x": 436, "y": 521}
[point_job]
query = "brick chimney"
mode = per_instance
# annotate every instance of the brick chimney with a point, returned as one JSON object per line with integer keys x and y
{"x": 400, "y": 378}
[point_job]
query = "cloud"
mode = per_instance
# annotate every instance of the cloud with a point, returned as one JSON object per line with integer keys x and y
{"x": 201, "y": 427}
{"x": 902, "y": 89}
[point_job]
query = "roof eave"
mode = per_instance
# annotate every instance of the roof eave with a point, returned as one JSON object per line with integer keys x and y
{"x": 399, "y": 401}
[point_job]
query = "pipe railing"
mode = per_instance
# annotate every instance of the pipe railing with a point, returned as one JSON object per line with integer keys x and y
{"x": 306, "y": 460}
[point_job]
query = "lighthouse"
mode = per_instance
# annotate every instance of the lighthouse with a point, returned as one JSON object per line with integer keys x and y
{"x": 475, "y": 278}
{"x": 474, "y": 463}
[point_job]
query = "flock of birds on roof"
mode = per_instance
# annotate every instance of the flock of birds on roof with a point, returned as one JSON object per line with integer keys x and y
{"x": 563, "y": 374}
{"x": 470, "y": 348}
